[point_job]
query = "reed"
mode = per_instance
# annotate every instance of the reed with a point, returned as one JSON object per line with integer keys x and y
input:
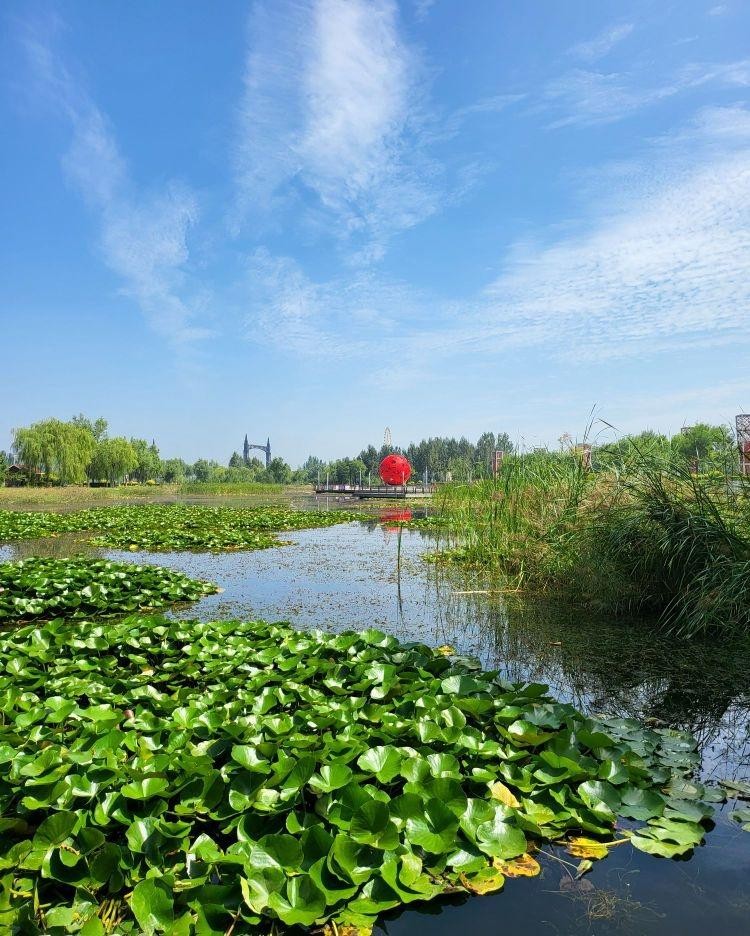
{"x": 642, "y": 536}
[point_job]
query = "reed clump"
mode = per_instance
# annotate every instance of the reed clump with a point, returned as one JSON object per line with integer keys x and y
{"x": 640, "y": 536}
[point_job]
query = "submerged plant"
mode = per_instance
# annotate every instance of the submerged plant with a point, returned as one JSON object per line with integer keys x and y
{"x": 205, "y": 777}
{"x": 80, "y": 588}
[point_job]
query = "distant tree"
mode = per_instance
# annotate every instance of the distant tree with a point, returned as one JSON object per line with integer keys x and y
{"x": 173, "y": 470}
{"x": 646, "y": 444}
{"x": 113, "y": 460}
{"x": 279, "y": 472}
{"x": 149, "y": 462}
{"x": 5, "y": 463}
{"x": 97, "y": 427}
{"x": 201, "y": 470}
{"x": 312, "y": 468}
{"x": 236, "y": 460}
{"x": 60, "y": 449}
{"x": 701, "y": 442}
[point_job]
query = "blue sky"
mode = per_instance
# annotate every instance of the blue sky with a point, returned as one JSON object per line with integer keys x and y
{"x": 311, "y": 219}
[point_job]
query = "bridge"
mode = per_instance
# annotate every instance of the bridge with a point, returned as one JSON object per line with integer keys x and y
{"x": 390, "y": 491}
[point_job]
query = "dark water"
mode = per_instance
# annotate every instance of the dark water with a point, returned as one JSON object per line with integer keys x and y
{"x": 349, "y": 577}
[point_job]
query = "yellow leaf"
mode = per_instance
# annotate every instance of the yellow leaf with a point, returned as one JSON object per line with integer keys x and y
{"x": 581, "y": 847}
{"x": 446, "y": 650}
{"x": 344, "y": 929}
{"x": 500, "y": 791}
{"x": 483, "y": 882}
{"x": 523, "y": 866}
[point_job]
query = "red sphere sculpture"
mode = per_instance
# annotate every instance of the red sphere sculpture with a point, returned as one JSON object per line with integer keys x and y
{"x": 395, "y": 469}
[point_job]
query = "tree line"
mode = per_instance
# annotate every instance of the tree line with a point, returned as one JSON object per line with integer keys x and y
{"x": 81, "y": 450}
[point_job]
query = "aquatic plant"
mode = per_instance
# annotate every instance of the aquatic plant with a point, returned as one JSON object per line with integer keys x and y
{"x": 204, "y": 777}
{"x": 171, "y": 526}
{"x": 644, "y": 537}
{"x": 79, "y": 588}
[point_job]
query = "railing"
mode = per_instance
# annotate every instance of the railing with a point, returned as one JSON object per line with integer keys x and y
{"x": 332, "y": 488}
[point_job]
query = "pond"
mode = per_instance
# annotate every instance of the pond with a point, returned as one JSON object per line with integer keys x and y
{"x": 359, "y": 575}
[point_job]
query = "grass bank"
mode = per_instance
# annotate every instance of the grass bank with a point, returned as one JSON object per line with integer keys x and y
{"x": 640, "y": 537}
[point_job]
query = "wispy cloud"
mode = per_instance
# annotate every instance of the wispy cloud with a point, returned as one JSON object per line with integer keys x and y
{"x": 143, "y": 235}
{"x": 658, "y": 269}
{"x": 422, "y": 9}
{"x": 583, "y": 97}
{"x": 601, "y": 45}
{"x": 330, "y": 121}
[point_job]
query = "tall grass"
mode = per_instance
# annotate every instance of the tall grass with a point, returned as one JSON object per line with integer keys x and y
{"x": 641, "y": 537}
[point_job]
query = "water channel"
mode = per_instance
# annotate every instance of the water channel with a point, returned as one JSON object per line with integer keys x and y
{"x": 350, "y": 576}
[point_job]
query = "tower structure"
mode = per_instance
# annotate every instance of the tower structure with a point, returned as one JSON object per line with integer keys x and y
{"x": 263, "y": 448}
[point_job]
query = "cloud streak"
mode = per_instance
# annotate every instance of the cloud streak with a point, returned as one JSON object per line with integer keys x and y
{"x": 583, "y": 97}
{"x": 330, "y": 122}
{"x": 603, "y": 43}
{"x": 659, "y": 269}
{"x": 143, "y": 236}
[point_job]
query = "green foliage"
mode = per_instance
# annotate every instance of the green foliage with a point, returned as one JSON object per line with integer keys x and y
{"x": 148, "y": 466}
{"x": 62, "y": 449}
{"x": 113, "y": 459}
{"x": 171, "y": 526}
{"x": 203, "y": 777}
{"x": 173, "y": 470}
{"x": 97, "y": 427}
{"x": 702, "y": 441}
{"x": 642, "y": 535}
{"x": 79, "y": 588}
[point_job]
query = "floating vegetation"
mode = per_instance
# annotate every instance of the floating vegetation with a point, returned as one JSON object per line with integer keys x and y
{"x": 80, "y": 588}
{"x": 162, "y": 527}
{"x": 209, "y": 777}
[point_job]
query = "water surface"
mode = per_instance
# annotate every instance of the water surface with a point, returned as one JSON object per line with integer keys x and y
{"x": 349, "y": 576}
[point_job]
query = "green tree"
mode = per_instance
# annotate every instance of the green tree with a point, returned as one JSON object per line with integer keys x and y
{"x": 60, "y": 449}
{"x": 4, "y": 465}
{"x": 279, "y": 472}
{"x": 702, "y": 442}
{"x": 312, "y": 469}
{"x": 149, "y": 463}
{"x": 201, "y": 470}
{"x": 113, "y": 460}
{"x": 236, "y": 460}
{"x": 97, "y": 427}
{"x": 173, "y": 470}
{"x": 630, "y": 448}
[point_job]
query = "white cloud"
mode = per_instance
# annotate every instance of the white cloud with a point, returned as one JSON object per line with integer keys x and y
{"x": 586, "y": 98}
{"x": 143, "y": 236}
{"x": 602, "y": 44}
{"x": 330, "y": 121}
{"x": 659, "y": 268}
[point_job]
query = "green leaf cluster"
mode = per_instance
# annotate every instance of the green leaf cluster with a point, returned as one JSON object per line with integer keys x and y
{"x": 193, "y": 777}
{"x": 162, "y": 527}
{"x": 81, "y": 588}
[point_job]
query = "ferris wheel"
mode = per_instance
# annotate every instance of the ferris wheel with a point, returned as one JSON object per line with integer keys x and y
{"x": 387, "y": 441}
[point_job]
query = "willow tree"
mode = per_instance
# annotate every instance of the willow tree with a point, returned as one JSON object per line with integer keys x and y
{"x": 113, "y": 460}
{"x": 59, "y": 449}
